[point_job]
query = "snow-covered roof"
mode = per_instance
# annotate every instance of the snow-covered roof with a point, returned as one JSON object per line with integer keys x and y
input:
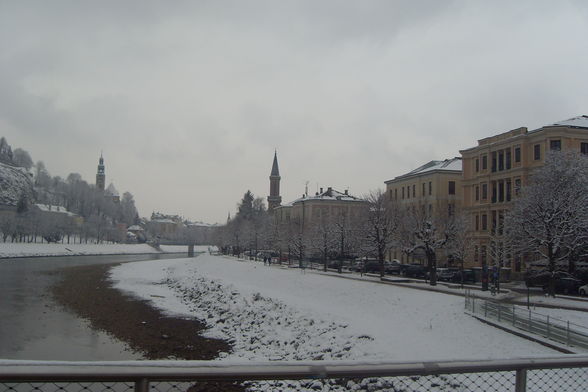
{"x": 449, "y": 165}
{"x": 52, "y": 208}
{"x": 576, "y": 122}
{"x": 164, "y": 220}
{"x": 135, "y": 228}
{"x": 329, "y": 195}
{"x": 201, "y": 224}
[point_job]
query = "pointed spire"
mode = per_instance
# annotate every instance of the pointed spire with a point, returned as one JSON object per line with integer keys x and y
{"x": 275, "y": 169}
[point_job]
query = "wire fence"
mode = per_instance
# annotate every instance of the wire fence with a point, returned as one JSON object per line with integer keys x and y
{"x": 564, "y": 373}
{"x": 561, "y": 331}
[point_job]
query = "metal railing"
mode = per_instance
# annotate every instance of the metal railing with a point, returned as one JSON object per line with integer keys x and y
{"x": 561, "y": 331}
{"x": 564, "y": 373}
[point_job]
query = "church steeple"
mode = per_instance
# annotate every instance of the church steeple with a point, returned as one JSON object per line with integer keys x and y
{"x": 100, "y": 176}
{"x": 274, "y": 199}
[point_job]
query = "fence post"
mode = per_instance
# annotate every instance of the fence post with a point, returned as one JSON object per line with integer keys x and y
{"x": 521, "y": 380}
{"x": 142, "y": 385}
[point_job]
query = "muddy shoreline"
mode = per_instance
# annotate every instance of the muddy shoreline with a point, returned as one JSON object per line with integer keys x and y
{"x": 87, "y": 291}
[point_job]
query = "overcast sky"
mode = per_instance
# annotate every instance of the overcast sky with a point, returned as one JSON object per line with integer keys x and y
{"x": 189, "y": 99}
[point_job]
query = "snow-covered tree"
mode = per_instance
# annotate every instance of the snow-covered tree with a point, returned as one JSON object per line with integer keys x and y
{"x": 550, "y": 218}
{"x": 380, "y": 224}
{"x": 427, "y": 233}
{"x": 22, "y": 158}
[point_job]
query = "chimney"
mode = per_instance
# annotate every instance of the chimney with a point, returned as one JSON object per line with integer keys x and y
{"x": 329, "y": 189}
{"x": 347, "y": 191}
{"x": 321, "y": 190}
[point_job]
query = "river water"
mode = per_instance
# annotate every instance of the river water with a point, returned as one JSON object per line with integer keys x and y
{"x": 33, "y": 326}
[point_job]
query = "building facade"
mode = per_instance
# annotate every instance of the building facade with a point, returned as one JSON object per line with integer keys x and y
{"x": 494, "y": 172}
{"x": 324, "y": 206}
{"x": 435, "y": 189}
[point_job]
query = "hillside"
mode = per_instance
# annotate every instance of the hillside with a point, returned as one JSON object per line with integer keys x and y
{"x": 14, "y": 181}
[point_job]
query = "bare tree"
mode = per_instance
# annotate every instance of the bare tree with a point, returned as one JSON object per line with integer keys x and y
{"x": 550, "y": 219}
{"x": 323, "y": 240}
{"x": 381, "y": 221}
{"x": 461, "y": 246}
{"x": 428, "y": 233}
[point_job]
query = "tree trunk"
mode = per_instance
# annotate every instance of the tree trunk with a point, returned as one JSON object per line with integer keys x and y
{"x": 432, "y": 258}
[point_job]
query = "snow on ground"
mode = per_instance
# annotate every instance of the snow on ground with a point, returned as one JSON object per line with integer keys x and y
{"x": 9, "y": 249}
{"x": 276, "y": 313}
{"x": 560, "y": 316}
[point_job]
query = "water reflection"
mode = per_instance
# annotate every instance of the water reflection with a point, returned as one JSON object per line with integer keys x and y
{"x": 33, "y": 326}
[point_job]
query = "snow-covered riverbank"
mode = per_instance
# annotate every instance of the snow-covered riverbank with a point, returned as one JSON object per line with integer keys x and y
{"x": 277, "y": 313}
{"x": 11, "y": 250}
{"x": 274, "y": 313}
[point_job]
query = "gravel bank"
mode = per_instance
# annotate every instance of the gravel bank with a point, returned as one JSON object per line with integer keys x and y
{"x": 87, "y": 291}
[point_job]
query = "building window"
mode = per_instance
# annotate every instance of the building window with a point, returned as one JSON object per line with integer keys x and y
{"x": 430, "y": 188}
{"x": 517, "y": 154}
{"x": 484, "y": 222}
{"x": 484, "y": 162}
{"x": 424, "y": 193}
{"x": 508, "y": 159}
{"x": 452, "y": 187}
{"x": 402, "y": 193}
{"x": 477, "y": 222}
{"x": 477, "y": 192}
{"x": 477, "y": 165}
{"x": 584, "y": 148}
{"x": 396, "y": 194}
{"x": 537, "y": 152}
{"x": 450, "y": 209}
{"x": 413, "y": 190}
{"x": 501, "y": 160}
{"x": 476, "y": 254}
{"x": 555, "y": 145}
{"x": 483, "y": 254}
{"x": 517, "y": 186}
{"x": 493, "y": 161}
{"x": 494, "y": 192}
{"x": 484, "y": 191}
{"x": 390, "y": 194}
{"x": 408, "y": 192}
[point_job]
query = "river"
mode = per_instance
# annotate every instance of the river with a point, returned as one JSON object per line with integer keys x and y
{"x": 33, "y": 326}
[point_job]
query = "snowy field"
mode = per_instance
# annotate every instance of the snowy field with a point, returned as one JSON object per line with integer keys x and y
{"x": 280, "y": 313}
{"x": 276, "y": 313}
{"x": 8, "y": 249}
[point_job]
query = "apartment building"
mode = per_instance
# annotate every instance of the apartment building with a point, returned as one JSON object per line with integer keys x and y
{"x": 435, "y": 188}
{"x": 494, "y": 172}
{"x": 310, "y": 210}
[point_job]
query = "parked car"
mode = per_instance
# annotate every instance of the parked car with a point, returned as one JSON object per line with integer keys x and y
{"x": 371, "y": 266}
{"x": 469, "y": 276}
{"x": 415, "y": 271}
{"x": 541, "y": 278}
{"x": 583, "y": 290}
{"x": 446, "y": 274}
{"x": 565, "y": 285}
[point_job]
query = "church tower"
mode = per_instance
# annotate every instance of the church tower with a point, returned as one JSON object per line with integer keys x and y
{"x": 100, "y": 176}
{"x": 274, "y": 199}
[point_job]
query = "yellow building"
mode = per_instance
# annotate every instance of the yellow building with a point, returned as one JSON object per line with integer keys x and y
{"x": 495, "y": 170}
{"x": 435, "y": 188}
